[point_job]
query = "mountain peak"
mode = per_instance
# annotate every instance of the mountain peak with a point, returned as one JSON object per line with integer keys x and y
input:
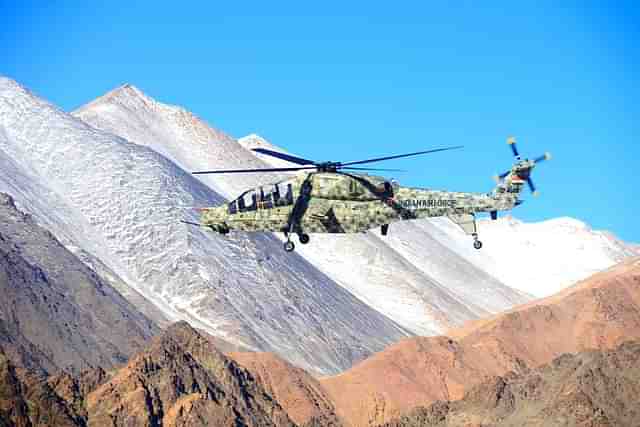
{"x": 123, "y": 93}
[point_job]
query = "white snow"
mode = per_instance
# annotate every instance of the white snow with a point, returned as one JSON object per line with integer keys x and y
{"x": 539, "y": 258}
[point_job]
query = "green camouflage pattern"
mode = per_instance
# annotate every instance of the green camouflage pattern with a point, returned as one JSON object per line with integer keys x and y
{"x": 338, "y": 202}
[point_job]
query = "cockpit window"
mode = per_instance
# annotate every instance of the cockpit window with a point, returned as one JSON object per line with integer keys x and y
{"x": 265, "y": 197}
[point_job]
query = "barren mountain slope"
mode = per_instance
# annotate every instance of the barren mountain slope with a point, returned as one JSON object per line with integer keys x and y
{"x": 599, "y": 313}
{"x": 70, "y": 227}
{"x": 591, "y": 388}
{"x": 245, "y": 290}
{"x": 300, "y": 394}
{"x": 181, "y": 380}
{"x": 55, "y": 312}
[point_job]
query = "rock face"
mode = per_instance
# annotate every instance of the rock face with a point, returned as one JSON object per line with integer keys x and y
{"x": 56, "y": 314}
{"x": 28, "y": 400}
{"x": 301, "y": 395}
{"x": 592, "y": 388}
{"x": 182, "y": 380}
{"x": 599, "y": 313}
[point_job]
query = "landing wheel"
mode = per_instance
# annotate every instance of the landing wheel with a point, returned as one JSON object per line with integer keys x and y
{"x": 477, "y": 244}
{"x": 304, "y": 238}
{"x": 289, "y": 246}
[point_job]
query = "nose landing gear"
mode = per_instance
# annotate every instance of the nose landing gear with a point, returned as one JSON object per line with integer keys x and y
{"x": 289, "y": 246}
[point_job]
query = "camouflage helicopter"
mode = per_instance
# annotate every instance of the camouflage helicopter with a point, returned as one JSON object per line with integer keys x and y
{"x": 331, "y": 198}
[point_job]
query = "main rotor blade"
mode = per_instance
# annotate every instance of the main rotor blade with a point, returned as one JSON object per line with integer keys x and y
{"x": 254, "y": 170}
{"x": 283, "y": 156}
{"x": 379, "y": 159}
{"x": 372, "y": 169}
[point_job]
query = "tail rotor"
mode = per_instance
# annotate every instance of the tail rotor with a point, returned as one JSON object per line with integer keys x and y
{"x": 521, "y": 170}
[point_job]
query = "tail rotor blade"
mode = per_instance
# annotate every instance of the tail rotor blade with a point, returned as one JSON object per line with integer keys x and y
{"x": 545, "y": 156}
{"x": 531, "y": 186}
{"x": 512, "y": 143}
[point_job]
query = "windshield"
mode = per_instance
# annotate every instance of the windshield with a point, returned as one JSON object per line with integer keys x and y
{"x": 265, "y": 197}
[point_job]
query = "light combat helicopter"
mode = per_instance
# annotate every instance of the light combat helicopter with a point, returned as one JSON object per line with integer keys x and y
{"x": 331, "y": 198}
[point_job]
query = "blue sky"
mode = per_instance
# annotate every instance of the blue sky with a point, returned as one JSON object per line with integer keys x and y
{"x": 345, "y": 81}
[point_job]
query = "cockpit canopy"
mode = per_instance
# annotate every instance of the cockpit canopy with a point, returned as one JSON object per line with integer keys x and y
{"x": 264, "y": 197}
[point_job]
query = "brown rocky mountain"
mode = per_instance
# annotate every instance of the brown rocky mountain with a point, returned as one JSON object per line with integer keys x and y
{"x": 598, "y": 313}
{"x": 591, "y": 388}
{"x": 493, "y": 366}
{"x": 27, "y": 399}
{"x": 56, "y": 313}
{"x": 300, "y": 394}
{"x": 182, "y": 380}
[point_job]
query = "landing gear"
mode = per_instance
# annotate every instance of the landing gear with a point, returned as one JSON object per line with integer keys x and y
{"x": 304, "y": 238}
{"x": 289, "y": 246}
{"x": 476, "y": 243}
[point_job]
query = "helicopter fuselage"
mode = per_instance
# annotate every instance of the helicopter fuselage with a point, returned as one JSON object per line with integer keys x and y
{"x": 345, "y": 203}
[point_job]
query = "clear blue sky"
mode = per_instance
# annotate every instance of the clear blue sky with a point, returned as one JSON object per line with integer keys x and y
{"x": 348, "y": 80}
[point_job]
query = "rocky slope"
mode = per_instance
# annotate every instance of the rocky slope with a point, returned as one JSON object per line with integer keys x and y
{"x": 180, "y": 379}
{"x": 55, "y": 312}
{"x": 599, "y": 313}
{"x": 299, "y": 393}
{"x": 245, "y": 290}
{"x": 592, "y": 388}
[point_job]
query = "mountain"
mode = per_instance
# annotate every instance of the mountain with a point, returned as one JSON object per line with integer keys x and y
{"x": 175, "y": 133}
{"x": 32, "y": 196}
{"x": 245, "y": 290}
{"x": 179, "y": 379}
{"x": 57, "y": 314}
{"x": 491, "y": 372}
{"x": 591, "y": 388}
{"x": 598, "y": 313}
{"x": 27, "y": 400}
{"x": 300, "y": 394}
{"x": 532, "y": 257}
{"x": 425, "y": 292}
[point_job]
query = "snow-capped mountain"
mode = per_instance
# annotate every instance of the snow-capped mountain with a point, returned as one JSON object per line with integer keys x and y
{"x": 540, "y": 258}
{"x": 245, "y": 289}
{"x": 423, "y": 298}
{"x": 175, "y": 133}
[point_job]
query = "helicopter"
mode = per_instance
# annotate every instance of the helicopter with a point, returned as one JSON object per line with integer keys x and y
{"x": 336, "y": 197}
